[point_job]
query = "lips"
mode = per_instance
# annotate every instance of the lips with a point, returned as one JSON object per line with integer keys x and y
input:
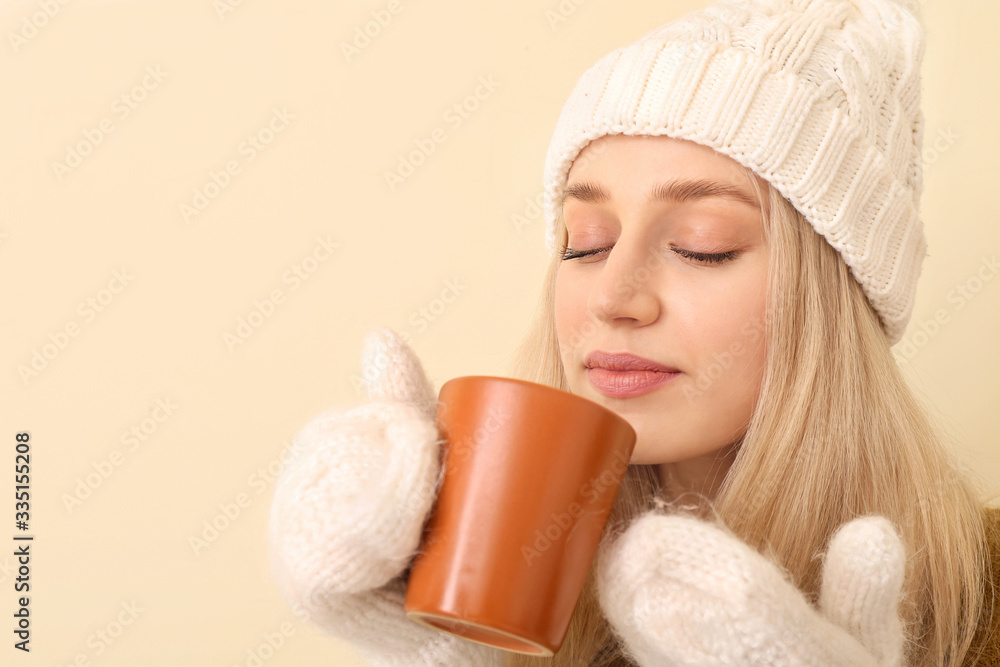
{"x": 624, "y": 375}
{"x": 622, "y": 361}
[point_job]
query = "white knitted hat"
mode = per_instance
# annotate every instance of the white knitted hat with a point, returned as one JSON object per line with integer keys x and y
{"x": 819, "y": 97}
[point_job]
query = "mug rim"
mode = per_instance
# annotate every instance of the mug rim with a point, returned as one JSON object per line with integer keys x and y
{"x": 537, "y": 386}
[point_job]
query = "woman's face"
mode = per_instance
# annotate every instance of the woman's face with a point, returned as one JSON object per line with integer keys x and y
{"x": 678, "y": 278}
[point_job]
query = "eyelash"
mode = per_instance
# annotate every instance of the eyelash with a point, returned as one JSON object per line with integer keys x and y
{"x": 706, "y": 258}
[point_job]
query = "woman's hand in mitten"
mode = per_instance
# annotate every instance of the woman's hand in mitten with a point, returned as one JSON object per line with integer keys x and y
{"x": 349, "y": 510}
{"x": 681, "y": 591}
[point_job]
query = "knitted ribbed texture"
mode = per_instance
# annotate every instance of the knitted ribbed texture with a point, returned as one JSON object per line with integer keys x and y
{"x": 819, "y": 97}
{"x": 349, "y": 509}
{"x": 681, "y": 591}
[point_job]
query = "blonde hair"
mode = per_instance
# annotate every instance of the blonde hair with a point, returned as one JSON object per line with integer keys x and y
{"x": 836, "y": 433}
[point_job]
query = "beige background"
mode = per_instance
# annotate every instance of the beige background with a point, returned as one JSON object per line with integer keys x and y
{"x": 447, "y": 233}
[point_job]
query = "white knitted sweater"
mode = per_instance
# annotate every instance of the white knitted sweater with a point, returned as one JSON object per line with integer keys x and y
{"x": 349, "y": 509}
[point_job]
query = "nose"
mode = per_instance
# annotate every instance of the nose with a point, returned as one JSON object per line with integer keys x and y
{"x": 625, "y": 289}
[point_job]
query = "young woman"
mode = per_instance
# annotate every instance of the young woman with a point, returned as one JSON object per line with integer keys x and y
{"x": 732, "y": 207}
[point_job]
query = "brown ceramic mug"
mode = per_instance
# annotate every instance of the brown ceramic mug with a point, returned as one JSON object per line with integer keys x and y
{"x": 530, "y": 475}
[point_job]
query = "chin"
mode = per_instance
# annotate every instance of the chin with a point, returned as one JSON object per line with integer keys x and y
{"x": 642, "y": 456}
{"x": 673, "y": 453}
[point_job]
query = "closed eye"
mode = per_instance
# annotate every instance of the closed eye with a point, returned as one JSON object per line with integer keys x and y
{"x": 706, "y": 258}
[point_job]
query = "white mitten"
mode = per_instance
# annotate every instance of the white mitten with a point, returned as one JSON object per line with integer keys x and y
{"x": 681, "y": 591}
{"x": 349, "y": 510}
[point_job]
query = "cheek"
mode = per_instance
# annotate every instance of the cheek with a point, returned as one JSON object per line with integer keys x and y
{"x": 732, "y": 354}
{"x": 569, "y": 305}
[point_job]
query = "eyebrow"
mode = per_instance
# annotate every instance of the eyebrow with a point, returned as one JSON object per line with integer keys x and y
{"x": 677, "y": 191}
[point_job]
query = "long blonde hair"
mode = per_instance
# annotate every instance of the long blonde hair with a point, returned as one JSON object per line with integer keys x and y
{"x": 836, "y": 433}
